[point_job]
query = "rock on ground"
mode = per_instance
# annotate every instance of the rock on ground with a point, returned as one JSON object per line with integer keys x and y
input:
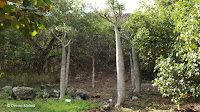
{"x": 77, "y": 94}
{"x": 83, "y": 94}
{"x": 23, "y": 93}
{"x": 71, "y": 92}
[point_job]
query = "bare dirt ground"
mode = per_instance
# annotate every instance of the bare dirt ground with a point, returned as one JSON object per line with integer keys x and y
{"x": 148, "y": 100}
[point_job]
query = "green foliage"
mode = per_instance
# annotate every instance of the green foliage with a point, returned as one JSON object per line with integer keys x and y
{"x": 1, "y": 73}
{"x": 4, "y": 94}
{"x": 91, "y": 34}
{"x": 178, "y": 75}
{"x": 65, "y": 11}
{"x": 114, "y": 5}
{"x": 50, "y": 105}
{"x": 16, "y": 52}
{"x": 153, "y": 35}
{"x": 25, "y": 15}
{"x": 169, "y": 34}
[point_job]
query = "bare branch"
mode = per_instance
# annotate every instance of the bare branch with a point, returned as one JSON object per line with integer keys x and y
{"x": 127, "y": 36}
{"x": 49, "y": 46}
{"x": 65, "y": 35}
{"x": 106, "y": 17}
{"x": 56, "y": 36}
{"x": 68, "y": 43}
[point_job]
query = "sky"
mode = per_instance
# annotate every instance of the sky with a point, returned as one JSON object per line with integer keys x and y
{"x": 130, "y": 5}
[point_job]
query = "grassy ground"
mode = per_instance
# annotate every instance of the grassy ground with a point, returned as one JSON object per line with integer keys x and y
{"x": 45, "y": 105}
{"x": 105, "y": 88}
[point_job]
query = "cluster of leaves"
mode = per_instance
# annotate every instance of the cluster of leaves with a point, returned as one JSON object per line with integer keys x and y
{"x": 25, "y": 15}
{"x": 178, "y": 75}
{"x": 153, "y": 35}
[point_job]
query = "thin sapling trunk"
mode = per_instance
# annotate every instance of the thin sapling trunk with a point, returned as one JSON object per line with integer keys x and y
{"x": 93, "y": 72}
{"x": 132, "y": 72}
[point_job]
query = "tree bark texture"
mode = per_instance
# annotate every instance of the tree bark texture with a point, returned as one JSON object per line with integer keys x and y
{"x": 93, "y": 72}
{"x": 132, "y": 72}
{"x": 63, "y": 63}
{"x": 62, "y": 73}
{"x": 121, "y": 93}
{"x": 67, "y": 66}
{"x": 136, "y": 71}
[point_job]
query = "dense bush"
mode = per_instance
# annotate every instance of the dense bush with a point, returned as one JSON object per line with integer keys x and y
{"x": 152, "y": 35}
{"x": 178, "y": 75}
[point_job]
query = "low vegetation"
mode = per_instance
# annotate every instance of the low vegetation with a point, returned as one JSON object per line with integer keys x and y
{"x": 45, "y": 105}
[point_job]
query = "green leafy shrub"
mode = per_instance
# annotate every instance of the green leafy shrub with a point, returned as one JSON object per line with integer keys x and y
{"x": 178, "y": 75}
{"x": 152, "y": 35}
{"x": 177, "y": 79}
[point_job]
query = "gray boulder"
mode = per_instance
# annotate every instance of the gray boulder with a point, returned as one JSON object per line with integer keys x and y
{"x": 23, "y": 93}
{"x": 77, "y": 94}
{"x": 83, "y": 94}
{"x": 71, "y": 92}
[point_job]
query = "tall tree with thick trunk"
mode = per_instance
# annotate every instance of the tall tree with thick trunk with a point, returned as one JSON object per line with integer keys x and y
{"x": 67, "y": 66}
{"x": 62, "y": 73}
{"x": 114, "y": 16}
{"x": 120, "y": 69}
{"x": 135, "y": 74}
{"x": 63, "y": 62}
{"x": 136, "y": 70}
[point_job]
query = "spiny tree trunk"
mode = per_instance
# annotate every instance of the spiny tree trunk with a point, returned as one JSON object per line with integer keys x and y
{"x": 62, "y": 73}
{"x": 136, "y": 71}
{"x": 120, "y": 69}
{"x": 93, "y": 72}
{"x": 132, "y": 72}
{"x": 67, "y": 66}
